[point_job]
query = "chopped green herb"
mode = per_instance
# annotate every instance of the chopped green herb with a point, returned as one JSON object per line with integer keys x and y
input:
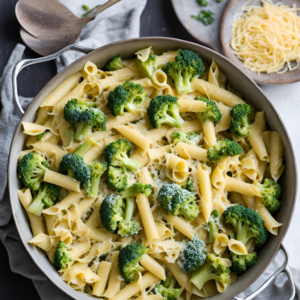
{"x": 219, "y": 0}
{"x": 203, "y": 2}
{"x": 85, "y": 7}
{"x": 205, "y": 16}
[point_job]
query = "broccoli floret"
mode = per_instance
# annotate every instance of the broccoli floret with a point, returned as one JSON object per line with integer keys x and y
{"x": 127, "y": 96}
{"x": 32, "y": 168}
{"x": 177, "y": 201}
{"x": 164, "y": 110}
{"x": 74, "y": 166}
{"x": 84, "y": 117}
{"x": 41, "y": 135}
{"x": 270, "y": 191}
{"x": 116, "y": 215}
{"x": 97, "y": 169}
{"x": 85, "y": 147}
{"x": 239, "y": 124}
{"x": 213, "y": 224}
{"x": 129, "y": 258}
{"x": 186, "y": 67}
{"x": 211, "y": 113}
{"x": 116, "y": 154}
{"x": 241, "y": 263}
{"x": 193, "y": 256}
{"x": 213, "y": 269}
{"x": 62, "y": 255}
{"x": 138, "y": 188}
{"x": 246, "y": 224}
{"x": 115, "y": 63}
{"x": 117, "y": 178}
{"x": 166, "y": 288}
{"x": 47, "y": 196}
{"x": 147, "y": 67}
{"x": 191, "y": 138}
{"x": 189, "y": 185}
{"x": 222, "y": 149}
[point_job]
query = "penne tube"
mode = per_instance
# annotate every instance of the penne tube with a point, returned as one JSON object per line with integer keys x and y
{"x": 182, "y": 278}
{"x": 134, "y": 287}
{"x": 216, "y": 93}
{"x": 153, "y": 266}
{"x": 189, "y": 105}
{"x": 42, "y": 241}
{"x": 205, "y": 191}
{"x": 62, "y": 90}
{"x": 134, "y": 136}
{"x": 209, "y": 134}
{"x": 270, "y": 223}
{"x": 220, "y": 243}
{"x": 247, "y": 189}
{"x": 103, "y": 273}
{"x": 189, "y": 151}
{"x": 147, "y": 217}
{"x": 256, "y": 140}
{"x": 237, "y": 247}
{"x": 276, "y": 154}
{"x": 181, "y": 225}
{"x": 62, "y": 180}
{"x": 36, "y": 222}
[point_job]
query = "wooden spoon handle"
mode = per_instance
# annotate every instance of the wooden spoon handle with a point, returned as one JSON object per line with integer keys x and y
{"x": 98, "y": 9}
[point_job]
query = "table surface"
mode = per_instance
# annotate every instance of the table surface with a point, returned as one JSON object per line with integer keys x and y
{"x": 166, "y": 24}
{"x": 158, "y": 19}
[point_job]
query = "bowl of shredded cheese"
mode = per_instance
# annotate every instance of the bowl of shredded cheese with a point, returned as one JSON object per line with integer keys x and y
{"x": 263, "y": 38}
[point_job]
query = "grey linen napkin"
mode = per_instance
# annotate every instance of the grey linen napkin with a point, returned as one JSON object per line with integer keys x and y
{"x": 120, "y": 23}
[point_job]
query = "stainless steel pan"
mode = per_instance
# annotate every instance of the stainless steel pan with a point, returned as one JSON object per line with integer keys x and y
{"x": 241, "y": 82}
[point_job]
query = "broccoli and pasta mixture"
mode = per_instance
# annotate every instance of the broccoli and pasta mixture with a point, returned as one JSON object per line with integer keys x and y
{"x": 150, "y": 178}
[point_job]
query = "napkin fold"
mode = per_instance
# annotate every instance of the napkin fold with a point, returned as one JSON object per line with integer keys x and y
{"x": 118, "y": 23}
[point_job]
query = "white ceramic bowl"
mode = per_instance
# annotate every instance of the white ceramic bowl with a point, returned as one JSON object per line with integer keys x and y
{"x": 241, "y": 82}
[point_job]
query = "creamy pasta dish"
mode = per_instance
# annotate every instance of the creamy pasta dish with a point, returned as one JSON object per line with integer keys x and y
{"x": 150, "y": 178}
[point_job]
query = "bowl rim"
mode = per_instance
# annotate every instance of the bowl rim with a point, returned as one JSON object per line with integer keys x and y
{"x": 187, "y": 43}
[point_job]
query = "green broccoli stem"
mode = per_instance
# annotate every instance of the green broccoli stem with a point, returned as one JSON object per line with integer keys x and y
{"x": 85, "y": 147}
{"x": 94, "y": 188}
{"x": 203, "y": 275}
{"x": 130, "y": 106}
{"x": 82, "y": 131}
{"x": 130, "y": 163}
{"x": 203, "y": 118}
{"x": 129, "y": 209}
{"x": 131, "y": 191}
{"x": 213, "y": 231}
{"x": 243, "y": 234}
{"x": 187, "y": 81}
{"x": 147, "y": 71}
{"x": 179, "y": 85}
{"x": 37, "y": 204}
{"x": 174, "y": 120}
{"x": 169, "y": 282}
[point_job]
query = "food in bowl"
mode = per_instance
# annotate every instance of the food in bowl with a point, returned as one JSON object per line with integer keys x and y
{"x": 154, "y": 177}
{"x": 266, "y": 38}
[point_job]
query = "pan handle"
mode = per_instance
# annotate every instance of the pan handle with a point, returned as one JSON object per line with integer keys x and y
{"x": 284, "y": 268}
{"x": 27, "y": 62}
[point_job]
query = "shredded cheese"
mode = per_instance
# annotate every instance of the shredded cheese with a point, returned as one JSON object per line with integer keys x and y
{"x": 267, "y": 38}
